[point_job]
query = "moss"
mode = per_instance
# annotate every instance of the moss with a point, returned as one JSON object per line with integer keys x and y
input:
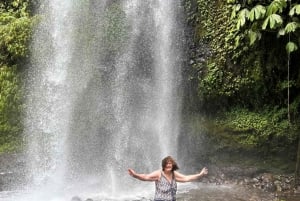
{"x": 225, "y": 142}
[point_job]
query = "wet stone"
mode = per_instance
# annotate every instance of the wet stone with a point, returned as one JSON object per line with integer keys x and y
{"x": 76, "y": 198}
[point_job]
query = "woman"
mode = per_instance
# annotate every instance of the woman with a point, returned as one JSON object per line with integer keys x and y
{"x": 165, "y": 179}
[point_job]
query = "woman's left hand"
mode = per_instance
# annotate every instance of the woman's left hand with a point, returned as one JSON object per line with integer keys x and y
{"x": 204, "y": 171}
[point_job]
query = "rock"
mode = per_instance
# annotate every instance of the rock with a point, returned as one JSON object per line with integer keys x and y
{"x": 76, "y": 198}
{"x": 267, "y": 177}
{"x": 270, "y": 187}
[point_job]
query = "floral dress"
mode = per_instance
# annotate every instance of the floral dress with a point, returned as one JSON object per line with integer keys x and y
{"x": 165, "y": 190}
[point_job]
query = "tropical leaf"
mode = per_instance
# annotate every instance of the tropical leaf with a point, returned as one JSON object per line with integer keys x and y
{"x": 295, "y": 10}
{"x": 253, "y": 36}
{"x": 291, "y": 47}
{"x": 291, "y": 27}
{"x": 281, "y": 32}
{"x": 231, "y": 1}
{"x": 257, "y": 12}
{"x": 235, "y": 9}
{"x": 243, "y": 15}
{"x": 273, "y": 21}
{"x": 277, "y": 6}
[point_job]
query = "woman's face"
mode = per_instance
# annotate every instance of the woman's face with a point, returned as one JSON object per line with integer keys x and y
{"x": 169, "y": 166}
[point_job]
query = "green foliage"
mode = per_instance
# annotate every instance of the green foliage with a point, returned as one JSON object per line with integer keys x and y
{"x": 291, "y": 27}
{"x": 245, "y": 80}
{"x": 291, "y": 47}
{"x": 276, "y": 6}
{"x": 273, "y": 20}
{"x": 268, "y": 128}
{"x": 10, "y": 107}
{"x": 249, "y": 42}
{"x": 242, "y": 16}
{"x": 271, "y": 16}
{"x": 295, "y": 10}
{"x": 223, "y": 75}
{"x": 15, "y": 33}
{"x": 257, "y": 12}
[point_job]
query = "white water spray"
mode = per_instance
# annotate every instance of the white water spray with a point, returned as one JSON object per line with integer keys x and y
{"x": 103, "y": 97}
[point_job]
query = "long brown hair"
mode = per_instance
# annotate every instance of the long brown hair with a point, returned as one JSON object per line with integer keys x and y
{"x": 169, "y": 159}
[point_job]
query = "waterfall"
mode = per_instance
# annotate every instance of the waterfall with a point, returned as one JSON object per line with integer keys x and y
{"x": 103, "y": 96}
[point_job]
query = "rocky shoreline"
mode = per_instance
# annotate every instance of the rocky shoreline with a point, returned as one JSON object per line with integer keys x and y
{"x": 280, "y": 185}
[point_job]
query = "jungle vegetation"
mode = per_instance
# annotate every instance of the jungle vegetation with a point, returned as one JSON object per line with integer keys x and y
{"x": 15, "y": 31}
{"x": 249, "y": 81}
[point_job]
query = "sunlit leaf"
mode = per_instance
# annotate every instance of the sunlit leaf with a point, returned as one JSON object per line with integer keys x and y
{"x": 295, "y": 10}
{"x": 291, "y": 27}
{"x": 254, "y": 36}
{"x": 231, "y": 1}
{"x": 277, "y": 6}
{"x": 235, "y": 9}
{"x": 291, "y": 47}
{"x": 243, "y": 15}
{"x": 257, "y": 12}
{"x": 281, "y": 32}
{"x": 273, "y": 21}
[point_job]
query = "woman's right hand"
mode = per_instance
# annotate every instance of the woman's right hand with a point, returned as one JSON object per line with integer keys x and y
{"x": 131, "y": 172}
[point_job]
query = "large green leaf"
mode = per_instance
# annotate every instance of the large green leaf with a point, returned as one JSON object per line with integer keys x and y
{"x": 295, "y": 10}
{"x": 257, "y": 12}
{"x": 273, "y": 21}
{"x": 243, "y": 15}
{"x": 231, "y": 1}
{"x": 291, "y": 47}
{"x": 277, "y": 6}
{"x": 253, "y": 36}
{"x": 291, "y": 27}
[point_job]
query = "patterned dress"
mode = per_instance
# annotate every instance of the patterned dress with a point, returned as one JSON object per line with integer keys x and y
{"x": 165, "y": 190}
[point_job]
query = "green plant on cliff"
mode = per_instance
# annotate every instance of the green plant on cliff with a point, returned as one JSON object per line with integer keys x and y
{"x": 226, "y": 75}
{"x": 10, "y": 109}
{"x": 15, "y": 32}
{"x": 278, "y": 18}
{"x": 248, "y": 62}
{"x": 255, "y": 129}
{"x": 253, "y": 66}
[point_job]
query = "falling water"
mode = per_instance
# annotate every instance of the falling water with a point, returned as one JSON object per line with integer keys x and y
{"x": 103, "y": 96}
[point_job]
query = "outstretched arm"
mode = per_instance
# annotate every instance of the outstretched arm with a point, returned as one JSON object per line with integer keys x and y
{"x": 145, "y": 177}
{"x": 186, "y": 178}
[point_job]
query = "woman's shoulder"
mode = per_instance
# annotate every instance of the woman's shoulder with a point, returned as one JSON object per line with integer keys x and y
{"x": 158, "y": 173}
